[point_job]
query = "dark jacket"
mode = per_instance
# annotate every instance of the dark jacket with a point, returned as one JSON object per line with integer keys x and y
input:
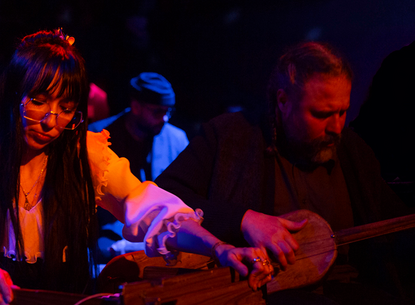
{"x": 226, "y": 170}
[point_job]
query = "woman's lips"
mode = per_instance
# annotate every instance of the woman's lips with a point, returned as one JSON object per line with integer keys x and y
{"x": 42, "y": 137}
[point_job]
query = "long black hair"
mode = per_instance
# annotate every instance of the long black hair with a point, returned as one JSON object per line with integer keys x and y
{"x": 42, "y": 63}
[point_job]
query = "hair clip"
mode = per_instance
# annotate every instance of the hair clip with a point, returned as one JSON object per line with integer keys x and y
{"x": 68, "y": 38}
{"x": 59, "y": 32}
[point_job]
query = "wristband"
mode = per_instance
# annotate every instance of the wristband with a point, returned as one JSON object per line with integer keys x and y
{"x": 213, "y": 251}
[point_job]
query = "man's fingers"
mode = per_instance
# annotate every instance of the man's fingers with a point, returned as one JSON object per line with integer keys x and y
{"x": 288, "y": 252}
{"x": 292, "y": 242}
{"x": 293, "y": 225}
{"x": 279, "y": 255}
{"x": 265, "y": 252}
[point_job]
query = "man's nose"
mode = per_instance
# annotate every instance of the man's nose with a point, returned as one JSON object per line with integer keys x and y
{"x": 335, "y": 124}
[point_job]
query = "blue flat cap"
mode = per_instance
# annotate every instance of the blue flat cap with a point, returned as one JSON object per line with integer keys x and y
{"x": 153, "y": 88}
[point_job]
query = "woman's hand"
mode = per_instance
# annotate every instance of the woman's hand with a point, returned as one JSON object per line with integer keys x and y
{"x": 251, "y": 262}
{"x": 246, "y": 261}
{"x": 6, "y": 285}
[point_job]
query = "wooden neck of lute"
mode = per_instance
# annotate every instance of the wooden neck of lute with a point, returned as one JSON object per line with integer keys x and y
{"x": 350, "y": 235}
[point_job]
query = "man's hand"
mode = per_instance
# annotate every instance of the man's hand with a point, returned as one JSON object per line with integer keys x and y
{"x": 272, "y": 233}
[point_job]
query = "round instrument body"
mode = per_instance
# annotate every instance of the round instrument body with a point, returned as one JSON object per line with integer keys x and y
{"x": 317, "y": 253}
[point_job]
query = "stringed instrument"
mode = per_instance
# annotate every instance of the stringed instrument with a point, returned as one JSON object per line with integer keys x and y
{"x": 135, "y": 273}
{"x": 318, "y": 247}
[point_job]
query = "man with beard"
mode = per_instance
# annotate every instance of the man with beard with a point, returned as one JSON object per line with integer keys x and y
{"x": 244, "y": 170}
{"x": 142, "y": 134}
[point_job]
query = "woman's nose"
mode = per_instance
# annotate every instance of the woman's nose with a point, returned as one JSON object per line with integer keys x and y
{"x": 50, "y": 119}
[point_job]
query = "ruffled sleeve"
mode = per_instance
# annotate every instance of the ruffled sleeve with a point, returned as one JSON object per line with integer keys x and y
{"x": 148, "y": 212}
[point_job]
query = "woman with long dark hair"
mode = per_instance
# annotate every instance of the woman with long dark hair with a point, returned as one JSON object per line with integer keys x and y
{"x": 54, "y": 173}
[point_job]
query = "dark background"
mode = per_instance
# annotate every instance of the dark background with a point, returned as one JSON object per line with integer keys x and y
{"x": 216, "y": 54}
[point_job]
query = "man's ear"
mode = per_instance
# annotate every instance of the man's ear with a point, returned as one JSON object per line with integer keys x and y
{"x": 282, "y": 100}
{"x": 135, "y": 107}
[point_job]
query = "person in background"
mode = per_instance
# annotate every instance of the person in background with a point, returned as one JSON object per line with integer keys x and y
{"x": 141, "y": 133}
{"x": 97, "y": 104}
{"x": 54, "y": 174}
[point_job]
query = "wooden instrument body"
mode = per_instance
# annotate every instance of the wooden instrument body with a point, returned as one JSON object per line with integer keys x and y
{"x": 215, "y": 286}
{"x": 317, "y": 253}
{"x": 46, "y": 297}
{"x": 145, "y": 280}
{"x": 137, "y": 266}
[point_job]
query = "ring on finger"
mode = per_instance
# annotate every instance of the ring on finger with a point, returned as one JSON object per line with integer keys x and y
{"x": 255, "y": 260}
{"x": 265, "y": 262}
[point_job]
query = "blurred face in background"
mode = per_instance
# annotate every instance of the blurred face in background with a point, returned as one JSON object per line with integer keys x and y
{"x": 150, "y": 118}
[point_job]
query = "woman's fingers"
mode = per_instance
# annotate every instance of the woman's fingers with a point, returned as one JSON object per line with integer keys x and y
{"x": 251, "y": 262}
{"x": 5, "y": 287}
{"x": 261, "y": 269}
{"x": 238, "y": 266}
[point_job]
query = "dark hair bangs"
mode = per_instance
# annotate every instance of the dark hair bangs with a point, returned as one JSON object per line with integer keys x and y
{"x": 73, "y": 83}
{"x": 50, "y": 73}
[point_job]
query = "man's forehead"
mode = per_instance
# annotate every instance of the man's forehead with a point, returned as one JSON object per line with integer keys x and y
{"x": 327, "y": 88}
{"x": 327, "y": 80}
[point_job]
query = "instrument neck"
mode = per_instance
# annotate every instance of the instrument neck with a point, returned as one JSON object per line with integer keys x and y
{"x": 350, "y": 235}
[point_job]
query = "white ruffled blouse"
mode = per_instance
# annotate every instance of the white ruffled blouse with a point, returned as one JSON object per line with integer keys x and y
{"x": 148, "y": 212}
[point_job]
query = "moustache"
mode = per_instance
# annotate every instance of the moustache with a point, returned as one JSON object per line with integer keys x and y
{"x": 327, "y": 141}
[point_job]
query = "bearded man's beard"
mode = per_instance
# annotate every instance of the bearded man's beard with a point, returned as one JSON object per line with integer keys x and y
{"x": 318, "y": 151}
{"x": 322, "y": 152}
{"x": 314, "y": 152}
